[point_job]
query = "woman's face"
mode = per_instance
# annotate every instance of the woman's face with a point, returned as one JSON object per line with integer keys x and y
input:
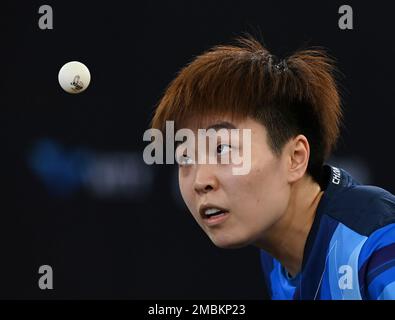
{"x": 249, "y": 204}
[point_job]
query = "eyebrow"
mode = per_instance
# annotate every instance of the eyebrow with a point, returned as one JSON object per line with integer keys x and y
{"x": 221, "y": 125}
{"x": 216, "y": 126}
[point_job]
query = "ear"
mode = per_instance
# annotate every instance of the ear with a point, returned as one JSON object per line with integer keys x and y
{"x": 298, "y": 155}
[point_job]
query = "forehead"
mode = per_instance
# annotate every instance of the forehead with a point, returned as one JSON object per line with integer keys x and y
{"x": 222, "y": 122}
{"x": 214, "y": 121}
{"x": 257, "y": 134}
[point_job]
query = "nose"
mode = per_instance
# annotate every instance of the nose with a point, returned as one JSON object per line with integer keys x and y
{"x": 205, "y": 180}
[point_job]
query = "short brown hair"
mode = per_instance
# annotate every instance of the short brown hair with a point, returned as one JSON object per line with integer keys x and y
{"x": 297, "y": 95}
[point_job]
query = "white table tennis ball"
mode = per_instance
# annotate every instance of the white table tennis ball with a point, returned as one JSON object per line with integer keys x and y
{"x": 74, "y": 77}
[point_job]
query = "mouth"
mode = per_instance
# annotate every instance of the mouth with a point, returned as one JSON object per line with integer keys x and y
{"x": 213, "y": 215}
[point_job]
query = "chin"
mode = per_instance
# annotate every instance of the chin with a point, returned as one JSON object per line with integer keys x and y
{"x": 230, "y": 242}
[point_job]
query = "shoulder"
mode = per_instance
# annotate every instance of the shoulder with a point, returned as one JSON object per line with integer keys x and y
{"x": 363, "y": 209}
{"x": 377, "y": 264}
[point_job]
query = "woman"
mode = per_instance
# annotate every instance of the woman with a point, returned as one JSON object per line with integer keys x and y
{"x": 321, "y": 234}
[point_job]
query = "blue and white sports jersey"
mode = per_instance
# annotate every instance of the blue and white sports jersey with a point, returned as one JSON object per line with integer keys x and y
{"x": 350, "y": 250}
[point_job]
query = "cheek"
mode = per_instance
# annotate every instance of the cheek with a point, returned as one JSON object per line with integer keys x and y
{"x": 263, "y": 193}
{"x": 186, "y": 189}
{"x": 270, "y": 181}
{"x": 273, "y": 195}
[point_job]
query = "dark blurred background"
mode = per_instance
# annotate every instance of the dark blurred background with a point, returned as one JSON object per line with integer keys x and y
{"x": 76, "y": 193}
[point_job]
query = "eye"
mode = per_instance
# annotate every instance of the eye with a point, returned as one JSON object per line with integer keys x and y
{"x": 223, "y": 149}
{"x": 184, "y": 160}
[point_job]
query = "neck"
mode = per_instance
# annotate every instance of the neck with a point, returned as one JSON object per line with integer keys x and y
{"x": 286, "y": 239}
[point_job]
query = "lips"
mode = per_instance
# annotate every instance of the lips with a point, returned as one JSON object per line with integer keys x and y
{"x": 213, "y": 214}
